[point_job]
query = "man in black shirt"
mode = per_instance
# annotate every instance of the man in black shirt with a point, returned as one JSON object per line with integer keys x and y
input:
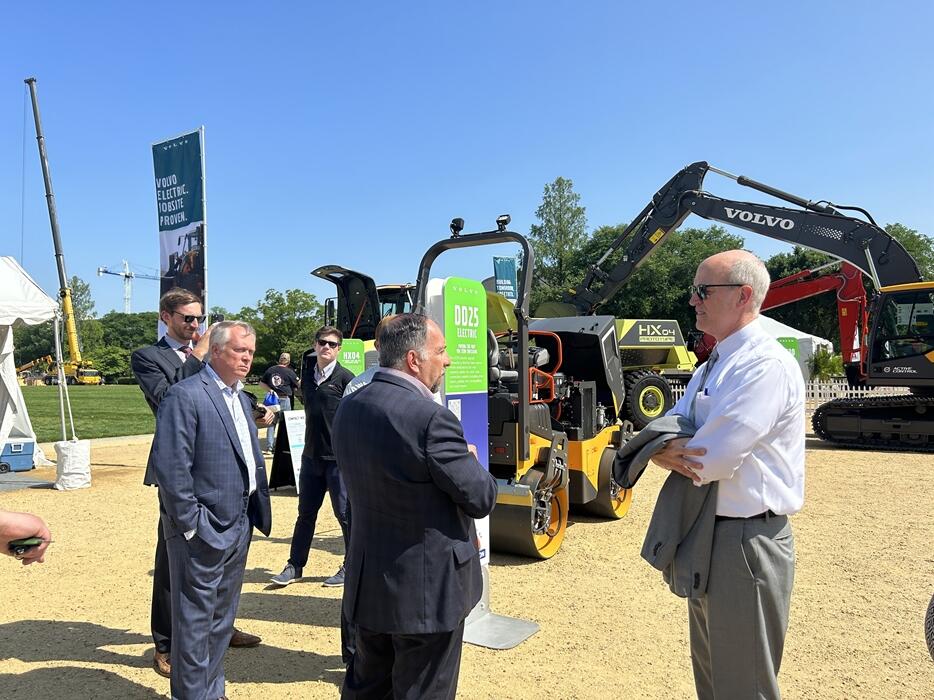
{"x": 281, "y": 379}
{"x": 323, "y": 383}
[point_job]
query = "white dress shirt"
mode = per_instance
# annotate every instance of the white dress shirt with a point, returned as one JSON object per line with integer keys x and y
{"x": 232, "y": 398}
{"x": 321, "y": 375}
{"x": 750, "y": 418}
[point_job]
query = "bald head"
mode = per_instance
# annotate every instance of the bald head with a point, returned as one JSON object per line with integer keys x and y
{"x": 742, "y": 267}
{"x": 737, "y": 283}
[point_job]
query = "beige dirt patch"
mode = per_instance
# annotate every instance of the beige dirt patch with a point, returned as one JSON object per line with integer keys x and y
{"x": 78, "y": 626}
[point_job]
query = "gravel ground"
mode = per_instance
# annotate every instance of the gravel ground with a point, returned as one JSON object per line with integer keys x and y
{"x": 77, "y": 626}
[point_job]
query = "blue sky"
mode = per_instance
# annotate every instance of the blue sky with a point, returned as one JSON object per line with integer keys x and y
{"x": 351, "y": 133}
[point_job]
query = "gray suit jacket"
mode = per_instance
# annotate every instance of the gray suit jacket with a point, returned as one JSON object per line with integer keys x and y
{"x": 157, "y": 367}
{"x": 680, "y": 536}
{"x": 200, "y": 467}
{"x": 413, "y": 564}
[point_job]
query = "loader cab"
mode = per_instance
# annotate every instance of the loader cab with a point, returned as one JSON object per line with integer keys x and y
{"x": 360, "y": 304}
{"x": 902, "y": 339}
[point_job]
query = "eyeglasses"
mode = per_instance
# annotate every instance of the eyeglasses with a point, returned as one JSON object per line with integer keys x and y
{"x": 701, "y": 289}
{"x": 188, "y": 318}
{"x": 330, "y": 343}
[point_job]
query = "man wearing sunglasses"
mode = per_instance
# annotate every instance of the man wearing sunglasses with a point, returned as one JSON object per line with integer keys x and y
{"x": 747, "y": 403}
{"x": 323, "y": 383}
{"x": 179, "y": 354}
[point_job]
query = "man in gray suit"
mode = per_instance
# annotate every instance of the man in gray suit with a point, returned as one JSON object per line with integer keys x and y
{"x": 213, "y": 490}
{"x": 415, "y": 486}
{"x": 157, "y": 367}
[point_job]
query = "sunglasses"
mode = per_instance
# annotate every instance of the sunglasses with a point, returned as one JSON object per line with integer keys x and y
{"x": 330, "y": 343}
{"x": 188, "y": 318}
{"x": 701, "y": 289}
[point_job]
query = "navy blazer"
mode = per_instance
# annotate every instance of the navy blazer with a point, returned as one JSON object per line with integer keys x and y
{"x": 157, "y": 367}
{"x": 413, "y": 566}
{"x": 200, "y": 467}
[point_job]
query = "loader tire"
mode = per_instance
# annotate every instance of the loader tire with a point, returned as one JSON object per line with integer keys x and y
{"x": 648, "y": 396}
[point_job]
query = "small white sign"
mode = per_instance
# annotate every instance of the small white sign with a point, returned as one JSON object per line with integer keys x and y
{"x": 294, "y": 424}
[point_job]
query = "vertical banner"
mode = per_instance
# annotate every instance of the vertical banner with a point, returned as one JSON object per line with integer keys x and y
{"x": 178, "y": 165}
{"x": 504, "y": 273}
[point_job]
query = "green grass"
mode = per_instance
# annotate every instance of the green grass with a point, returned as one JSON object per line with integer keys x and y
{"x": 99, "y": 411}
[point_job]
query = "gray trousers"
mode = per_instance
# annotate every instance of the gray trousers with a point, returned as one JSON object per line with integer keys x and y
{"x": 205, "y": 593}
{"x": 738, "y": 628}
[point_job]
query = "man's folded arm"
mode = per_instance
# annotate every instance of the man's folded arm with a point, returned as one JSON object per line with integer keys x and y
{"x": 740, "y": 417}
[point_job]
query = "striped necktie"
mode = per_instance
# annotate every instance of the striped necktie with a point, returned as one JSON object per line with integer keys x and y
{"x": 711, "y": 361}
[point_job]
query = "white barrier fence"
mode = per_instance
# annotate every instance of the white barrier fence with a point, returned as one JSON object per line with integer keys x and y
{"x": 817, "y": 393}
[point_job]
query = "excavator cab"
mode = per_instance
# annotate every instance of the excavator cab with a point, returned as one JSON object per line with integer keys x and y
{"x": 903, "y": 336}
{"x": 360, "y": 304}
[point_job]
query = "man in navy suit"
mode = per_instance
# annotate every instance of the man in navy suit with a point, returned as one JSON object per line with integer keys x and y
{"x": 213, "y": 491}
{"x": 415, "y": 486}
{"x": 157, "y": 367}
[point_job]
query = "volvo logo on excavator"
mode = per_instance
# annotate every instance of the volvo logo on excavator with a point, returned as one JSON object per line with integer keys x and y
{"x": 757, "y": 218}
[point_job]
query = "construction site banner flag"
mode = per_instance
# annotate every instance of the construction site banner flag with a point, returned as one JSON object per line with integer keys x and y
{"x": 178, "y": 164}
{"x": 504, "y": 272}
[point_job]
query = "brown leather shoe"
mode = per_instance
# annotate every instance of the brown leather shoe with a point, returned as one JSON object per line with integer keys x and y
{"x": 161, "y": 663}
{"x": 244, "y": 640}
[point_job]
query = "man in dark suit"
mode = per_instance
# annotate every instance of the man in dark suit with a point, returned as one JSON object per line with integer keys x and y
{"x": 213, "y": 491}
{"x": 415, "y": 486}
{"x": 157, "y": 367}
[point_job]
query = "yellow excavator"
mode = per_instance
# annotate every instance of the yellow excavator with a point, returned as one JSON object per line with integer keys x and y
{"x": 77, "y": 370}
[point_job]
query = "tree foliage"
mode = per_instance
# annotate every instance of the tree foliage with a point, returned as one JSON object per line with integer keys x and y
{"x": 825, "y": 365}
{"x": 556, "y": 240}
{"x": 918, "y": 245}
{"x": 284, "y": 323}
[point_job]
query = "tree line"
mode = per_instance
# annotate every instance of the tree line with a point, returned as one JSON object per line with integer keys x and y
{"x": 284, "y": 322}
{"x": 564, "y": 250}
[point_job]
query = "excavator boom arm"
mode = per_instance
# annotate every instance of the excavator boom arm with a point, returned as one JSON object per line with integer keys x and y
{"x": 818, "y": 226}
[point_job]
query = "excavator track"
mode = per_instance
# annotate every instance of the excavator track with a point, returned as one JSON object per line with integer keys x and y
{"x": 900, "y": 423}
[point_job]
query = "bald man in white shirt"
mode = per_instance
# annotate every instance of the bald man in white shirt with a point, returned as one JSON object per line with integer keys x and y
{"x": 748, "y": 405}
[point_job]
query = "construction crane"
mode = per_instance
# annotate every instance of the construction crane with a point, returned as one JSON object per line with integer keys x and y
{"x": 77, "y": 370}
{"x": 127, "y": 281}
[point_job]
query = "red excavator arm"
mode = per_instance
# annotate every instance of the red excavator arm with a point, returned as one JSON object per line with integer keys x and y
{"x": 852, "y": 309}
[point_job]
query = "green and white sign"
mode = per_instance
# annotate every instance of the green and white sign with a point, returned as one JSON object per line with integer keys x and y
{"x": 465, "y": 334}
{"x": 352, "y": 356}
{"x": 790, "y": 344}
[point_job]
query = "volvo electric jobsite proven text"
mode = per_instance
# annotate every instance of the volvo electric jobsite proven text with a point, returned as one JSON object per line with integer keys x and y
{"x": 895, "y": 344}
{"x": 554, "y": 394}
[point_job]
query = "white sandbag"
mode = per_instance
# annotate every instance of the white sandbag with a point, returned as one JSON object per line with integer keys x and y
{"x": 74, "y": 464}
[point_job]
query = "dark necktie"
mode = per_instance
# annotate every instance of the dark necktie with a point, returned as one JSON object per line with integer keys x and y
{"x": 711, "y": 361}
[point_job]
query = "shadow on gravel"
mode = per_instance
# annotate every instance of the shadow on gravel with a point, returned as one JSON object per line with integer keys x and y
{"x": 54, "y": 640}
{"x": 38, "y": 641}
{"x": 268, "y": 664}
{"x": 72, "y": 682}
{"x": 299, "y": 606}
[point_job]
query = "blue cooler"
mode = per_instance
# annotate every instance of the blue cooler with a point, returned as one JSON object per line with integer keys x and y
{"x": 17, "y": 455}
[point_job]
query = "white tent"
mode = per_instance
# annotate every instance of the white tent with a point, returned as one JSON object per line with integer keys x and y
{"x": 802, "y": 344}
{"x": 21, "y": 300}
